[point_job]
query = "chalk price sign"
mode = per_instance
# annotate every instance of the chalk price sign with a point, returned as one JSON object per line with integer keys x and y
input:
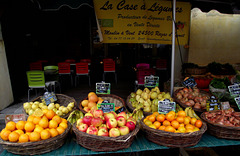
{"x": 237, "y": 99}
{"x": 106, "y": 107}
{"x": 234, "y": 89}
{"x": 151, "y": 81}
{"x": 189, "y": 82}
{"x": 103, "y": 88}
{"x": 213, "y": 104}
{"x": 165, "y": 106}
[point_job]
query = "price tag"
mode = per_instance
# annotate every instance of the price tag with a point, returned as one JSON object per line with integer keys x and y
{"x": 234, "y": 89}
{"x": 213, "y": 104}
{"x": 103, "y": 88}
{"x": 151, "y": 81}
{"x": 165, "y": 106}
{"x": 106, "y": 107}
{"x": 237, "y": 99}
{"x": 189, "y": 82}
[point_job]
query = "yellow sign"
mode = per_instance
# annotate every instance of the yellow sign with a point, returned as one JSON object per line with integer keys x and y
{"x": 141, "y": 21}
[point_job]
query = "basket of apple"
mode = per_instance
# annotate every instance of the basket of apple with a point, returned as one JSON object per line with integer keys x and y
{"x": 109, "y": 131}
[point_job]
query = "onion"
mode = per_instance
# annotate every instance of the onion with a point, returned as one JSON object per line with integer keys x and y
{"x": 185, "y": 90}
{"x": 185, "y": 95}
{"x": 179, "y": 96}
{"x": 192, "y": 102}
{"x": 190, "y": 96}
{"x": 188, "y": 103}
{"x": 196, "y": 90}
{"x": 181, "y": 91}
{"x": 197, "y": 106}
{"x": 190, "y": 90}
{"x": 203, "y": 104}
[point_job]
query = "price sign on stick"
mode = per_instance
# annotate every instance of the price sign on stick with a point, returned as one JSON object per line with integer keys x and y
{"x": 151, "y": 81}
{"x": 103, "y": 88}
{"x": 106, "y": 107}
{"x": 165, "y": 106}
{"x": 237, "y": 99}
{"x": 213, "y": 104}
{"x": 234, "y": 89}
{"x": 189, "y": 82}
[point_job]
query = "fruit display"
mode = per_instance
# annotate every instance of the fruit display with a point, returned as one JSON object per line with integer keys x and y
{"x": 173, "y": 122}
{"x": 40, "y": 126}
{"x": 147, "y": 99}
{"x": 108, "y": 124}
{"x": 60, "y": 110}
{"x": 74, "y": 116}
{"x": 195, "y": 98}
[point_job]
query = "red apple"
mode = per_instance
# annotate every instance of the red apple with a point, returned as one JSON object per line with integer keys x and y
{"x": 98, "y": 113}
{"x": 114, "y": 113}
{"x": 121, "y": 121}
{"x": 96, "y": 122}
{"x": 83, "y": 127}
{"x": 132, "y": 119}
{"x": 122, "y": 114}
{"x": 93, "y": 109}
{"x": 87, "y": 120}
{"x": 130, "y": 125}
{"x": 114, "y": 132}
{"x": 102, "y": 132}
{"x": 108, "y": 116}
{"x": 124, "y": 130}
{"x": 92, "y": 130}
{"x": 79, "y": 122}
{"x": 111, "y": 123}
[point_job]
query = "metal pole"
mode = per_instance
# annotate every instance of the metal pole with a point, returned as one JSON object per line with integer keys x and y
{"x": 173, "y": 46}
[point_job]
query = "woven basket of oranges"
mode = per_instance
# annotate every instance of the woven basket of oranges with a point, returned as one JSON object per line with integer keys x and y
{"x": 173, "y": 129}
{"x": 39, "y": 134}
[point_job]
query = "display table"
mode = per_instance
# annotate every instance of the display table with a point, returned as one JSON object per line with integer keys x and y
{"x": 139, "y": 144}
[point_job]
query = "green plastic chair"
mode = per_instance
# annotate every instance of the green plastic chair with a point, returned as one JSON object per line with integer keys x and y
{"x": 36, "y": 80}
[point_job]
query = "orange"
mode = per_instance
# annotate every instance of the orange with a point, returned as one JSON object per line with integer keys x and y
{"x": 23, "y": 138}
{"x": 57, "y": 118}
{"x": 38, "y": 129}
{"x": 45, "y": 111}
{"x": 152, "y": 118}
{"x": 43, "y": 123}
{"x": 169, "y": 129}
{"x": 52, "y": 124}
{"x": 45, "y": 134}
{"x": 189, "y": 126}
{"x": 20, "y": 125}
{"x": 53, "y": 132}
{"x": 100, "y": 100}
{"x": 91, "y": 104}
{"x": 84, "y": 103}
{"x": 28, "y": 133}
{"x": 147, "y": 117}
{"x": 186, "y": 120}
{"x": 44, "y": 117}
{"x": 64, "y": 120}
{"x": 93, "y": 98}
{"x": 181, "y": 129}
{"x": 11, "y": 126}
{"x": 4, "y": 134}
{"x": 63, "y": 125}
{"x": 30, "y": 118}
{"x": 175, "y": 124}
{"x": 180, "y": 119}
{"x": 152, "y": 126}
{"x": 13, "y": 137}
{"x": 198, "y": 124}
{"x": 156, "y": 114}
{"x": 157, "y": 124}
{"x": 34, "y": 136}
{"x": 36, "y": 120}
{"x": 170, "y": 116}
{"x": 161, "y": 117}
{"x": 193, "y": 121}
{"x": 189, "y": 130}
{"x": 182, "y": 113}
{"x": 19, "y": 131}
{"x": 162, "y": 128}
{"x": 172, "y": 112}
{"x": 181, "y": 125}
{"x": 148, "y": 122}
{"x": 91, "y": 93}
{"x": 29, "y": 126}
{"x": 50, "y": 114}
{"x": 166, "y": 123}
{"x": 60, "y": 130}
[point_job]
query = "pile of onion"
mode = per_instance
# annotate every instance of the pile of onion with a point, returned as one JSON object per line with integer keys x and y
{"x": 192, "y": 98}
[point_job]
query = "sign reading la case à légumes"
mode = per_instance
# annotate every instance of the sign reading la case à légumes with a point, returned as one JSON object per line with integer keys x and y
{"x": 137, "y": 21}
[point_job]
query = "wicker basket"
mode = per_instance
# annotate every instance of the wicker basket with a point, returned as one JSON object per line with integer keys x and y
{"x": 102, "y": 143}
{"x": 183, "y": 105}
{"x": 35, "y": 148}
{"x": 170, "y": 139}
{"x": 196, "y": 71}
{"x": 131, "y": 108}
{"x": 62, "y": 99}
{"x": 118, "y": 101}
{"x": 221, "y": 131}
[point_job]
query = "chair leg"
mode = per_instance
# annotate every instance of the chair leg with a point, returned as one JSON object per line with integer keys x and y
{"x": 29, "y": 94}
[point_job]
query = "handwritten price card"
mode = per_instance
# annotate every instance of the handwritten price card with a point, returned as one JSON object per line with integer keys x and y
{"x": 103, "y": 88}
{"x": 165, "y": 106}
{"x": 151, "y": 81}
{"x": 106, "y": 107}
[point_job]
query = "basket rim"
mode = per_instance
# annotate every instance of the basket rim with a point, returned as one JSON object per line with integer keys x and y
{"x": 101, "y": 95}
{"x": 183, "y": 105}
{"x": 164, "y": 133}
{"x": 63, "y": 95}
{"x": 203, "y": 117}
{"x": 41, "y": 142}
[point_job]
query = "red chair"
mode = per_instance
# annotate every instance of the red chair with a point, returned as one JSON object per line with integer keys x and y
{"x": 82, "y": 69}
{"x": 64, "y": 69}
{"x": 141, "y": 75}
{"x": 161, "y": 64}
{"x": 142, "y": 66}
{"x": 36, "y": 66}
{"x": 109, "y": 67}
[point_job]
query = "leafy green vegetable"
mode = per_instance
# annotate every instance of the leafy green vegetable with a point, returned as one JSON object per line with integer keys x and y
{"x": 220, "y": 83}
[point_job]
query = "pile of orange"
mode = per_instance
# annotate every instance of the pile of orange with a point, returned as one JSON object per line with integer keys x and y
{"x": 173, "y": 122}
{"x": 91, "y": 101}
{"x": 36, "y": 128}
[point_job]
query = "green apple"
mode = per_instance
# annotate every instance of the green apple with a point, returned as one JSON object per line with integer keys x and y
{"x": 71, "y": 104}
{"x": 27, "y": 105}
{"x": 55, "y": 109}
{"x": 34, "y": 106}
{"x": 60, "y": 108}
{"x": 31, "y": 111}
{"x": 57, "y": 105}
{"x": 65, "y": 110}
{"x": 51, "y": 106}
{"x": 69, "y": 108}
{"x": 59, "y": 113}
